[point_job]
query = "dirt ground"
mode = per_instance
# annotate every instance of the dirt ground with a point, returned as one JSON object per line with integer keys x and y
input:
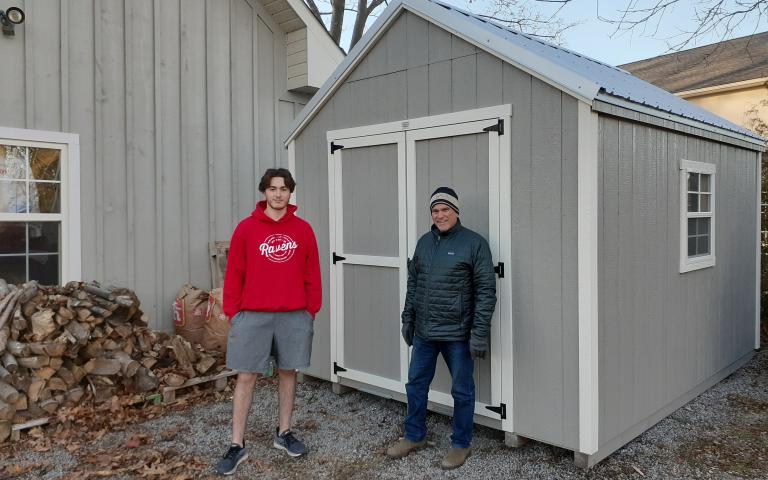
{"x": 723, "y": 433}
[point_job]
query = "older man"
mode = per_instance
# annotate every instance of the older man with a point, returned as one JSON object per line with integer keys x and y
{"x": 448, "y": 308}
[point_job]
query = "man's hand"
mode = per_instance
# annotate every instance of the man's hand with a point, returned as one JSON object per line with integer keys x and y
{"x": 408, "y": 330}
{"x": 478, "y": 347}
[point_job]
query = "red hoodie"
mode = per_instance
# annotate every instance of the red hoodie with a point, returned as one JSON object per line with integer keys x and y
{"x": 272, "y": 266}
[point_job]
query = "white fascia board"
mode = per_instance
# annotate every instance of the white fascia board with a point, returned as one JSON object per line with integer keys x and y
{"x": 588, "y": 235}
{"x": 323, "y": 55}
{"x": 727, "y": 87}
{"x": 639, "y": 108}
{"x": 454, "y": 22}
{"x": 758, "y": 255}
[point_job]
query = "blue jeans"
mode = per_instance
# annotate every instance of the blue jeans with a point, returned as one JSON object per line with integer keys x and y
{"x": 420, "y": 375}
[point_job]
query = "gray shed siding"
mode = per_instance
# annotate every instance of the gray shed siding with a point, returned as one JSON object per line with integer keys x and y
{"x": 417, "y": 69}
{"x": 179, "y": 106}
{"x": 663, "y": 334}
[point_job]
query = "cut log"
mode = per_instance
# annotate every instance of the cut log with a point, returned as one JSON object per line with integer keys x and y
{"x": 29, "y": 308}
{"x": 56, "y": 362}
{"x": 5, "y": 375}
{"x": 102, "y": 366}
{"x": 145, "y": 380}
{"x": 174, "y": 379}
{"x": 5, "y": 334}
{"x": 93, "y": 349}
{"x": 21, "y": 404}
{"x": 68, "y": 377}
{"x": 205, "y": 363}
{"x": 98, "y": 291}
{"x": 8, "y": 393}
{"x": 35, "y": 361}
{"x": 148, "y": 362}
{"x": 19, "y": 322}
{"x": 49, "y": 405}
{"x": 4, "y": 289}
{"x": 80, "y": 332}
{"x": 102, "y": 312}
{"x": 57, "y": 384}
{"x": 10, "y": 363}
{"x": 5, "y": 430}
{"x": 83, "y": 314}
{"x": 7, "y": 306}
{"x": 35, "y": 390}
{"x": 74, "y": 395}
{"x": 18, "y": 349}
{"x": 124, "y": 301}
{"x": 7, "y": 411}
{"x": 185, "y": 356}
{"x": 45, "y": 373}
{"x": 28, "y": 291}
{"x": 43, "y": 324}
{"x": 110, "y": 344}
{"x": 129, "y": 366}
{"x": 50, "y": 349}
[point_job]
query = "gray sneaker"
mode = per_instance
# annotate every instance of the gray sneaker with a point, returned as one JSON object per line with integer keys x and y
{"x": 288, "y": 442}
{"x": 234, "y": 457}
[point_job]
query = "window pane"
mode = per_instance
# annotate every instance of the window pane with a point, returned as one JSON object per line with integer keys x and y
{"x": 44, "y": 197}
{"x": 705, "y": 178}
{"x": 13, "y": 161}
{"x": 693, "y": 182}
{"x": 691, "y": 246}
{"x": 703, "y": 245}
{"x": 705, "y": 200}
{"x": 44, "y": 164}
{"x": 693, "y": 202}
{"x": 44, "y": 269}
{"x": 44, "y": 237}
{"x": 13, "y": 269}
{"x": 704, "y": 225}
{"x": 13, "y": 197}
{"x": 12, "y": 238}
{"x": 692, "y": 226}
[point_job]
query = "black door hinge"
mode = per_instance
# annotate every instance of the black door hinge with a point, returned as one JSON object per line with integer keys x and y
{"x": 499, "y": 269}
{"x": 501, "y": 410}
{"x": 335, "y": 147}
{"x": 337, "y": 368}
{"x": 337, "y": 258}
{"x": 499, "y": 127}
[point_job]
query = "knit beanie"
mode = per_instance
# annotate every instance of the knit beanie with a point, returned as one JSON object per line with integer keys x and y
{"x": 446, "y": 196}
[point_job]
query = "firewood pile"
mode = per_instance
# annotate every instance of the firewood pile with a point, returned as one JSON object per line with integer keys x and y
{"x": 63, "y": 346}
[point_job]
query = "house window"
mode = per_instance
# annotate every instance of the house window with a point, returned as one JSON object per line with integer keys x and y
{"x": 697, "y": 215}
{"x": 39, "y": 229}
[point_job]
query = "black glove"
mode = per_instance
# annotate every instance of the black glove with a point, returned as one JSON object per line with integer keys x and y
{"x": 478, "y": 347}
{"x": 408, "y": 330}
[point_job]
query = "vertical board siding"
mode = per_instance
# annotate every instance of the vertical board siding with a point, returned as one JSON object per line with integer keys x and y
{"x": 164, "y": 116}
{"x": 440, "y": 73}
{"x": 663, "y": 333}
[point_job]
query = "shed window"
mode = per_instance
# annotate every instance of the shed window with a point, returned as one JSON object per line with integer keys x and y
{"x": 697, "y": 216}
{"x": 31, "y": 216}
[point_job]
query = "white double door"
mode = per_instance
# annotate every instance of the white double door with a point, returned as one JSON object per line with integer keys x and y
{"x": 380, "y": 187}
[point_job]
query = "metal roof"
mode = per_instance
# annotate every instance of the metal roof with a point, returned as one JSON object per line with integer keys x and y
{"x": 577, "y": 74}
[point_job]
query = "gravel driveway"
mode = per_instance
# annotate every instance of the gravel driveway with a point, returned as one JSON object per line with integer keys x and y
{"x": 721, "y": 434}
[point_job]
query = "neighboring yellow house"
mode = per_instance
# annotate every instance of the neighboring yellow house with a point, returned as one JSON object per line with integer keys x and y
{"x": 729, "y": 78}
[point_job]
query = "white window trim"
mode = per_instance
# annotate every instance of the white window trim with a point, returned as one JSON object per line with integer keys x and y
{"x": 69, "y": 144}
{"x": 688, "y": 264}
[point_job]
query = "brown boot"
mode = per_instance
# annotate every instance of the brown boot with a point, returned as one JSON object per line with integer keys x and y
{"x": 455, "y": 458}
{"x": 404, "y": 447}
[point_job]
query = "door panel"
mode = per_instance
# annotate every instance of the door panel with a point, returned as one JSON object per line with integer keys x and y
{"x": 459, "y": 156}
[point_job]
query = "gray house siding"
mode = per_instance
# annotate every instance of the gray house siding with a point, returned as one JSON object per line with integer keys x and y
{"x": 179, "y": 106}
{"x": 665, "y": 335}
{"x": 417, "y": 69}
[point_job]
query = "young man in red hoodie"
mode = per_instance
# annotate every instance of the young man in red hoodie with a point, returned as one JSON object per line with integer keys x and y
{"x": 272, "y": 292}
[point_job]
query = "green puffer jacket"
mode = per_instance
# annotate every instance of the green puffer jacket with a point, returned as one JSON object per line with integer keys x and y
{"x": 451, "y": 286}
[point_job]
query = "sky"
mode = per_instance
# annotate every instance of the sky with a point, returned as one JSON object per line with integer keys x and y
{"x": 599, "y": 40}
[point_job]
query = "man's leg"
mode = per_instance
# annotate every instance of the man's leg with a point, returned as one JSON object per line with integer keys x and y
{"x": 420, "y": 374}
{"x": 286, "y": 393}
{"x": 241, "y": 404}
{"x": 461, "y": 366}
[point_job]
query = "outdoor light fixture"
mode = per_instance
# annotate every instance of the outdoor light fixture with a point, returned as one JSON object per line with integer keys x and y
{"x": 10, "y": 18}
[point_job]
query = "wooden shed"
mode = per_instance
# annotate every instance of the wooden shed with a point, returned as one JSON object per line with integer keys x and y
{"x": 160, "y": 117}
{"x": 623, "y": 221}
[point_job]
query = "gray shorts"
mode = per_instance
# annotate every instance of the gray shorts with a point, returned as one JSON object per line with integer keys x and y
{"x": 254, "y": 336}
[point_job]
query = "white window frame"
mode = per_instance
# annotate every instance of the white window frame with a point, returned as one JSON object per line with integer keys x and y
{"x": 69, "y": 217}
{"x": 689, "y": 264}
